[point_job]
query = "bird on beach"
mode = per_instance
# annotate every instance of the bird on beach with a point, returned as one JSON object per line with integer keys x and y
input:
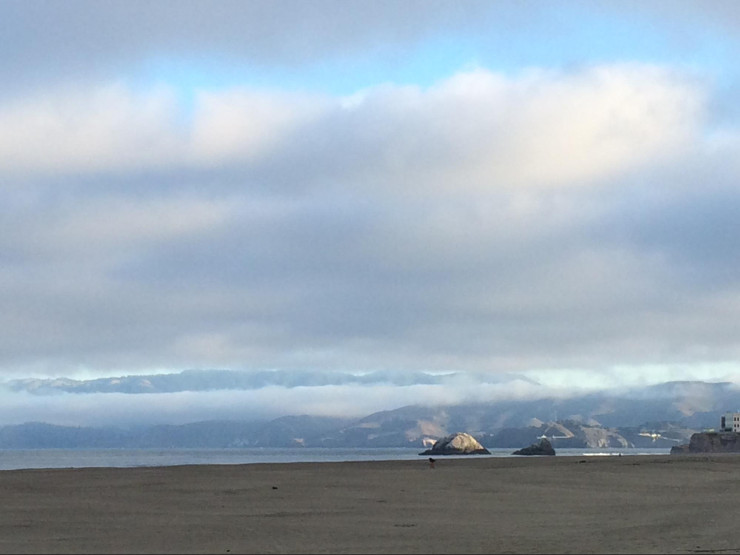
{"x": 431, "y": 462}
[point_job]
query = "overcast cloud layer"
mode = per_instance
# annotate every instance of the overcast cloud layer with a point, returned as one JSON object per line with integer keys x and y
{"x": 359, "y": 186}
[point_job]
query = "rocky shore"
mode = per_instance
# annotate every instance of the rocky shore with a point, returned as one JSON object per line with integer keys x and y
{"x": 710, "y": 442}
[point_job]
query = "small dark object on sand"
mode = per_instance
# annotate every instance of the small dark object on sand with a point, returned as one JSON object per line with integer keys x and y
{"x": 431, "y": 462}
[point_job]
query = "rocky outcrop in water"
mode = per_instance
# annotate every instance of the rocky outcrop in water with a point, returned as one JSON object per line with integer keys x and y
{"x": 457, "y": 444}
{"x": 710, "y": 442}
{"x": 542, "y": 447}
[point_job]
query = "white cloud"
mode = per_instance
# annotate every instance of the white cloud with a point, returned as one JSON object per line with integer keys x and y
{"x": 487, "y": 222}
{"x": 240, "y": 125}
{"x": 113, "y": 129}
{"x": 476, "y": 130}
{"x": 480, "y": 130}
{"x": 75, "y": 130}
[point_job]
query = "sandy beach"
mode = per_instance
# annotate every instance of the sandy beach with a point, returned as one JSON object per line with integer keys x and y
{"x": 630, "y": 504}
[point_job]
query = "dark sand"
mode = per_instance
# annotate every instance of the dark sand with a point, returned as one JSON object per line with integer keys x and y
{"x": 629, "y": 504}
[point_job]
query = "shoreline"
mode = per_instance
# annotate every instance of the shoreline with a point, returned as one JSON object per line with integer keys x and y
{"x": 48, "y": 458}
{"x": 560, "y": 504}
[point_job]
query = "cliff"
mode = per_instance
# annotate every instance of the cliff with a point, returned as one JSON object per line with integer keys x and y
{"x": 710, "y": 442}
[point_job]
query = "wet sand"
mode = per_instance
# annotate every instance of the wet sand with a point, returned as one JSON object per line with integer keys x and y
{"x": 629, "y": 504}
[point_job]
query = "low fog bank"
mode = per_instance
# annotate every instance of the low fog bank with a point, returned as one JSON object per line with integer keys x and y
{"x": 193, "y": 396}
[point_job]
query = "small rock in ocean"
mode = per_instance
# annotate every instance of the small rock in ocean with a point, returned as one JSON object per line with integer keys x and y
{"x": 542, "y": 447}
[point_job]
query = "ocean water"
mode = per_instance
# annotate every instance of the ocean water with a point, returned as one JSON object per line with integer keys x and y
{"x": 14, "y": 459}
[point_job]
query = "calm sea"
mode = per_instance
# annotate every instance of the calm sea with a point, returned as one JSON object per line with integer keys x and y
{"x": 13, "y": 459}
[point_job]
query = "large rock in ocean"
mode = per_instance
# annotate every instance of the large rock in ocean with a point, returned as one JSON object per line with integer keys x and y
{"x": 457, "y": 444}
{"x": 542, "y": 447}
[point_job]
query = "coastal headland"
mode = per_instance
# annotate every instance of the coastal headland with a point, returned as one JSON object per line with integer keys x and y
{"x": 590, "y": 504}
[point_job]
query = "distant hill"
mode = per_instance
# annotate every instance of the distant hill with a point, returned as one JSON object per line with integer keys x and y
{"x": 216, "y": 380}
{"x": 657, "y": 416}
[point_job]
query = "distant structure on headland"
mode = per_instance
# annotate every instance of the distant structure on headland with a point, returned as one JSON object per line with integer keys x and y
{"x": 730, "y": 422}
{"x": 725, "y": 440}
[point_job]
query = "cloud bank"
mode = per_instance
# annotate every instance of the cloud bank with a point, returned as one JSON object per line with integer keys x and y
{"x": 489, "y": 216}
{"x": 486, "y": 222}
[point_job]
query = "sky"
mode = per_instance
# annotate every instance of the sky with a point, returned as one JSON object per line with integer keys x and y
{"x": 483, "y": 187}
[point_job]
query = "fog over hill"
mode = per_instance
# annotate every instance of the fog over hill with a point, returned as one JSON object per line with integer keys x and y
{"x": 395, "y": 401}
{"x": 195, "y": 395}
{"x": 659, "y": 416}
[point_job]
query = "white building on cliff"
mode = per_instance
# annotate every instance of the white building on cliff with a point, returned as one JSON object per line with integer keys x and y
{"x": 730, "y": 422}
